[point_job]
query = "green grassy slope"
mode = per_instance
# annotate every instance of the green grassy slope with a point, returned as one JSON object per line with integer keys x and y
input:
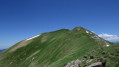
{"x": 108, "y": 55}
{"x": 52, "y": 49}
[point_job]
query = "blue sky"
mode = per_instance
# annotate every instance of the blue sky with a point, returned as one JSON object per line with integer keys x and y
{"x": 21, "y": 19}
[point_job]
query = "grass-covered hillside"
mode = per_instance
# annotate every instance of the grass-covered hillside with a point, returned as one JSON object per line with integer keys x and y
{"x": 57, "y": 48}
{"x": 99, "y": 57}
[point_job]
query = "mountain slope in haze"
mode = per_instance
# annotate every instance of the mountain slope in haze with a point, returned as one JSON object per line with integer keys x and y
{"x": 52, "y": 49}
{"x": 2, "y": 50}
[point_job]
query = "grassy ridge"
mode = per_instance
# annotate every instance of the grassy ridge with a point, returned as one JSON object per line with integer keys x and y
{"x": 51, "y": 49}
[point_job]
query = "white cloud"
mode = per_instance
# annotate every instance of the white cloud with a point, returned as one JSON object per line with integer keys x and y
{"x": 112, "y": 38}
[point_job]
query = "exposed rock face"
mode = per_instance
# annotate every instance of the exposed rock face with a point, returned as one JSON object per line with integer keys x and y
{"x": 96, "y": 64}
{"x": 77, "y": 28}
{"x": 88, "y": 61}
{"x": 73, "y": 63}
{"x": 107, "y": 44}
{"x": 78, "y": 63}
{"x": 96, "y": 38}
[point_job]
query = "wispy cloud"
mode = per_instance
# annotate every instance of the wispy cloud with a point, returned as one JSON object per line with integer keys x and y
{"x": 112, "y": 38}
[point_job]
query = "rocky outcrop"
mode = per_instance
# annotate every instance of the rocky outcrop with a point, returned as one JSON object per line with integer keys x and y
{"x": 73, "y": 63}
{"x": 96, "y": 64}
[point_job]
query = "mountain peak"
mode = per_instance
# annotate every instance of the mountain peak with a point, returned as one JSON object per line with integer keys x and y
{"x": 78, "y": 28}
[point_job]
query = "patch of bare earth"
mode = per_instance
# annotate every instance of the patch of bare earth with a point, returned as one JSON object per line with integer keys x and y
{"x": 21, "y": 44}
{"x": 44, "y": 39}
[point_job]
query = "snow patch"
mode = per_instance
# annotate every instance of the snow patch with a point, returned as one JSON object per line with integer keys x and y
{"x": 23, "y": 43}
{"x": 33, "y": 37}
{"x": 107, "y": 45}
{"x": 87, "y": 31}
{"x": 90, "y": 33}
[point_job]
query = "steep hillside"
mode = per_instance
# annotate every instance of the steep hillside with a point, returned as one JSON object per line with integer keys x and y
{"x": 52, "y": 49}
{"x": 99, "y": 57}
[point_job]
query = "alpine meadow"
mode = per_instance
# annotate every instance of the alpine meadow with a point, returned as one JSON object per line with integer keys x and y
{"x": 78, "y": 47}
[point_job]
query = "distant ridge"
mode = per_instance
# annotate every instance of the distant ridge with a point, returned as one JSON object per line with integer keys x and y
{"x": 2, "y": 50}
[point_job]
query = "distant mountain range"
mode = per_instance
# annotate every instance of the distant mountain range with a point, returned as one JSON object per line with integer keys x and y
{"x": 78, "y": 47}
{"x": 2, "y": 50}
